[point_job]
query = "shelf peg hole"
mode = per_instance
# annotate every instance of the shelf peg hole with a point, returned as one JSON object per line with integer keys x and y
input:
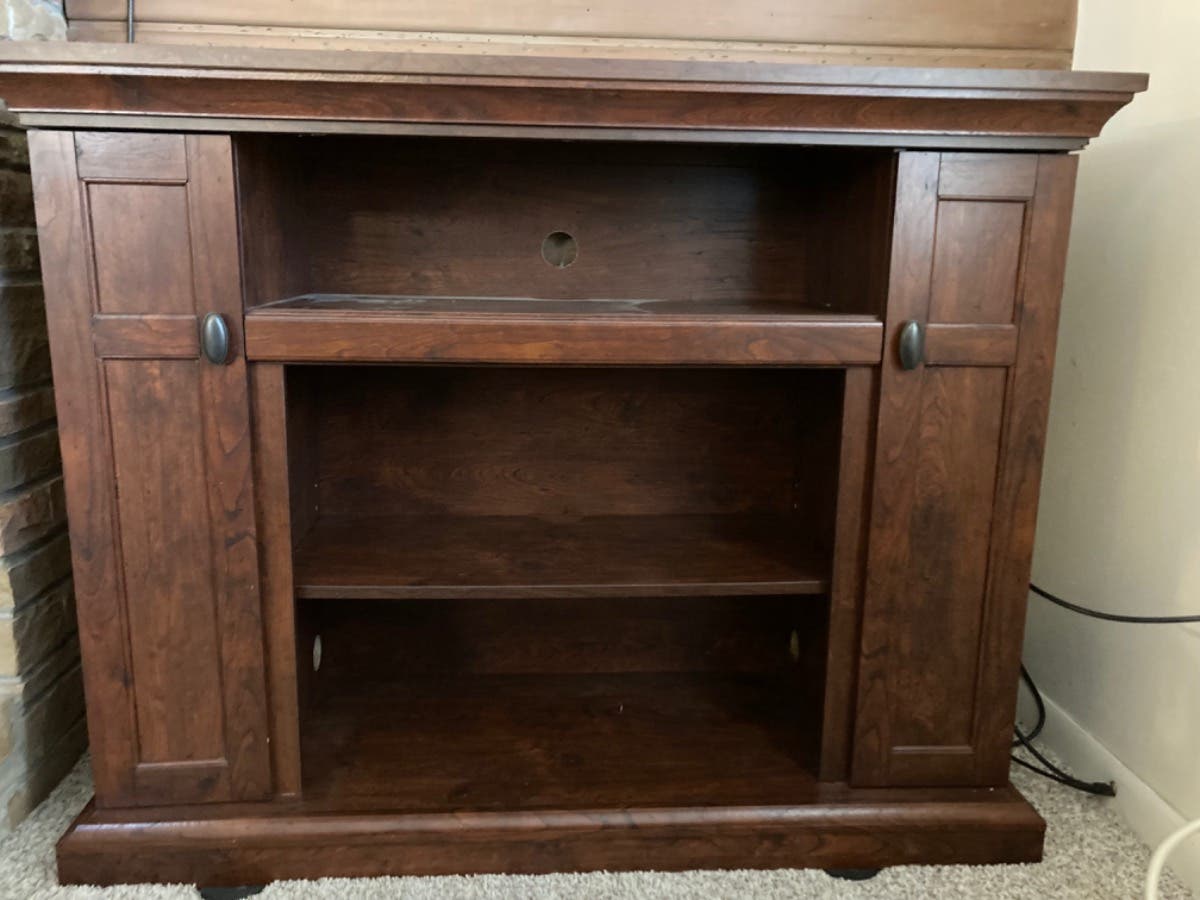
{"x": 560, "y": 249}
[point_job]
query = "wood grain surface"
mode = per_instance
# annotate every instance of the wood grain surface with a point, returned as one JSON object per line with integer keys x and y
{"x": 185, "y": 88}
{"x": 163, "y": 531}
{"x": 959, "y": 444}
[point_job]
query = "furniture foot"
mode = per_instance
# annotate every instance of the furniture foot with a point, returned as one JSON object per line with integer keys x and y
{"x": 853, "y": 874}
{"x": 231, "y": 893}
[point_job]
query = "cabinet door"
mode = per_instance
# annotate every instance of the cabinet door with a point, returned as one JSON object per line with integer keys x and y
{"x": 978, "y": 247}
{"x": 138, "y": 236}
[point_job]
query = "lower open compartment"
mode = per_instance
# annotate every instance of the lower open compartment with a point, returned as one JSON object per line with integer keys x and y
{"x": 561, "y": 588}
{"x": 450, "y": 705}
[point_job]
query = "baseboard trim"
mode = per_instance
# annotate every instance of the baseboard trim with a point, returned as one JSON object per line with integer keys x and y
{"x": 1150, "y": 816}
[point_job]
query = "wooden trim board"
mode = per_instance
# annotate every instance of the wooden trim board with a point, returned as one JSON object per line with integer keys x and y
{"x": 185, "y": 88}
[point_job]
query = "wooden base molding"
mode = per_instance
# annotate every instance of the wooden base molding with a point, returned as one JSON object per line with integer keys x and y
{"x": 249, "y": 846}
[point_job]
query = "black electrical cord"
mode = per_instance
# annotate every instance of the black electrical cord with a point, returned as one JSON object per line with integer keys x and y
{"x": 1041, "y": 707}
{"x": 1051, "y": 771}
{"x": 1113, "y": 617}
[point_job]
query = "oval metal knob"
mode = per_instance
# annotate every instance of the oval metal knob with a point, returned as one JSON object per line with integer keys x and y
{"x": 912, "y": 344}
{"x": 214, "y": 339}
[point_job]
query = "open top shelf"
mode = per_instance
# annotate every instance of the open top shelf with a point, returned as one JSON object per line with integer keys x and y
{"x": 530, "y": 252}
{"x": 404, "y": 557}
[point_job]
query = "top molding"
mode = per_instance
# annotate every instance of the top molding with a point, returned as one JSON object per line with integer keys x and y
{"x": 148, "y": 87}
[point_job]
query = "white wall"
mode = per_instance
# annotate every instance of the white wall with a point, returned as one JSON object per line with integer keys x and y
{"x": 38, "y": 20}
{"x": 1119, "y": 526}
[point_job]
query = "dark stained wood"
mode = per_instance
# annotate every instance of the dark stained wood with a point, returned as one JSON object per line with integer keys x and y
{"x": 225, "y": 426}
{"x": 112, "y": 155}
{"x": 983, "y": 176}
{"x": 152, "y": 336}
{"x": 849, "y": 559}
{"x": 897, "y": 442}
{"x": 678, "y": 255}
{"x": 87, "y": 463}
{"x": 126, "y": 220}
{"x": 942, "y": 635}
{"x": 166, "y": 558}
{"x": 642, "y": 549}
{"x": 971, "y": 287}
{"x": 535, "y": 741}
{"x": 277, "y": 334}
{"x": 706, "y": 231}
{"x": 273, "y": 265}
{"x": 300, "y": 444}
{"x": 522, "y": 556}
{"x": 569, "y": 443}
{"x": 76, "y": 85}
{"x": 970, "y": 345}
{"x": 402, "y": 66}
{"x": 369, "y": 644}
{"x": 1021, "y": 452}
{"x": 256, "y": 845}
{"x": 174, "y": 630}
{"x": 271, "y": 479}
{"x": 953, "y": 475}
{"x": 383, "y": 307}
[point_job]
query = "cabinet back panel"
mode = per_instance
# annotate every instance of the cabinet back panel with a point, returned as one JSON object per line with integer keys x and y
{"x": 568, "y": 442}
{"x": 565, "y": 221}
{"x": 368, "y": 640}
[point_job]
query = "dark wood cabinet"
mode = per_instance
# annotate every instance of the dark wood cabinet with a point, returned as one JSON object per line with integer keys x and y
{"x": 139, "y": 236}
{"x": 977, "y": 259}
{"x": 478, "y": 464}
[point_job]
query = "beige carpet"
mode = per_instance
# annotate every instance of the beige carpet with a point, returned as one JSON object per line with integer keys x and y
{"x": 1089, "y": 854}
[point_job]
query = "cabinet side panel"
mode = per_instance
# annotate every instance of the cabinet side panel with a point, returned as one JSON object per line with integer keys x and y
{"x": 272, "y": 475}
{"x": 1019, "y": 480}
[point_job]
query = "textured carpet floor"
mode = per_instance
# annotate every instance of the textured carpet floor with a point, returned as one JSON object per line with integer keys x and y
{"x": 1089, "y": 854}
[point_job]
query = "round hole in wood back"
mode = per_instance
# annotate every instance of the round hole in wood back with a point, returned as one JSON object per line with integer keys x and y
{"x": 560, "y": 249}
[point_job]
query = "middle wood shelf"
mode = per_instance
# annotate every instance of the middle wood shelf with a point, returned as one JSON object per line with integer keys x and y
{"x": 359, "y": 328}
{"x": 410, "y": 557}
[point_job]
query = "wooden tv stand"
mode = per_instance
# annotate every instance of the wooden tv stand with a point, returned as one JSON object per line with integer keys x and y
{"x": 523, "y": 465}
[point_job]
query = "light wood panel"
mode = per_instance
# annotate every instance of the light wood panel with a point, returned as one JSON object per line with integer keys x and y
{"x": 1016, "y": 34}
{"x": 177, "y": 33}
